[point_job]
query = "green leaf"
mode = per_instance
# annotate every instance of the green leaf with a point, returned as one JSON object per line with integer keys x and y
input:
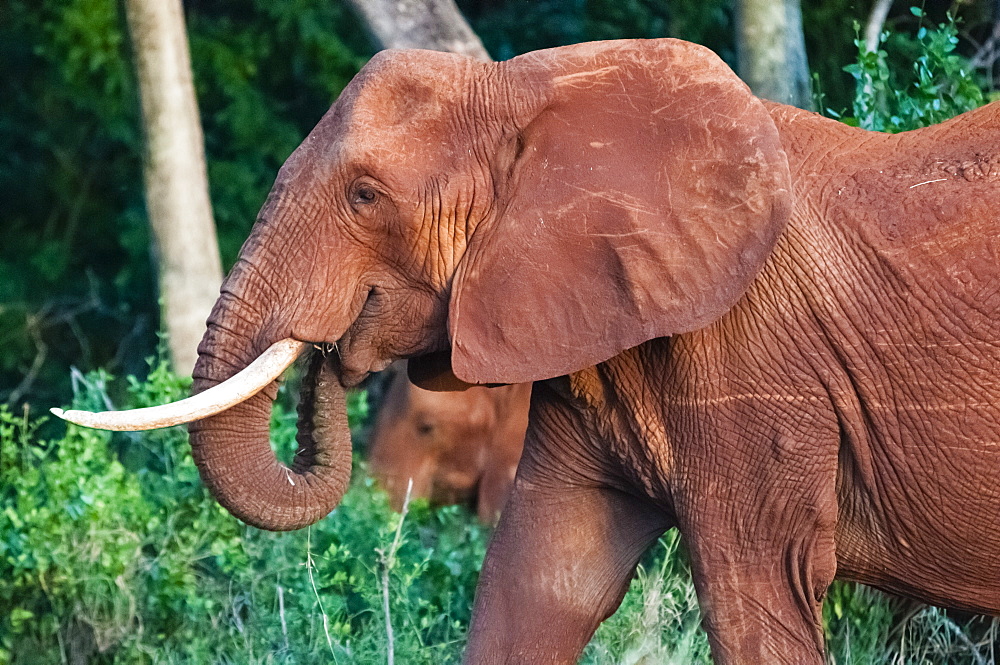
{"x": 19, "y": 617}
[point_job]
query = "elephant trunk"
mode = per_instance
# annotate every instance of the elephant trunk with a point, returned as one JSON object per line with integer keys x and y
{"x": 232, "y": 449}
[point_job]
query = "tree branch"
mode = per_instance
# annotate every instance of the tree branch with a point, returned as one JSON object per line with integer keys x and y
{"x": 436, "y": 25}
{"x": 875, "y": 24}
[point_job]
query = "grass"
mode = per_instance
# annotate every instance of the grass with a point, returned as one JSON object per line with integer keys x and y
{"x": 658, "y": 621}
{"x": 112, "y": 552}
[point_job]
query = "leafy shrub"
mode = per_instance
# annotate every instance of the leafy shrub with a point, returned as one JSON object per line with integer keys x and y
{"x": 941, "y": 85}
{"x": 112, "y": 551}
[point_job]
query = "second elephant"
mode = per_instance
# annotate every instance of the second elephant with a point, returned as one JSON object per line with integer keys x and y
{"x": 457, "y": 447}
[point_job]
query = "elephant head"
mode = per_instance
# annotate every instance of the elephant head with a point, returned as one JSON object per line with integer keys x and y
{"x": 455, "y": 447}
{"x": 518, "y": 220}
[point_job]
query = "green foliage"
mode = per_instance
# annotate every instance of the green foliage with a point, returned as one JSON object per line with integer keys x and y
{"x": 510, "y": 28}
{"x": 858, "y": 621}
{"x": 105, "y": 564}
{"x": 101, "y": 563}
{"x": 864, "y": 626}
{"x": 707, "y": 22}
{"x": 77, "y": 281}
{"x": 659, "y": 619}
{"x": 111, "y": 551}
{"x": 67, "y": 521}
{"x": 940, "y": 85}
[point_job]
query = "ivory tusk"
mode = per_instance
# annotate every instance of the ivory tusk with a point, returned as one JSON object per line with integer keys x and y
{"x": 248, "y": 382}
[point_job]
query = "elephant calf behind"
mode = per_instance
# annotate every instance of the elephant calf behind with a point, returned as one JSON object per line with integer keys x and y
{"x": 456, "y": 447}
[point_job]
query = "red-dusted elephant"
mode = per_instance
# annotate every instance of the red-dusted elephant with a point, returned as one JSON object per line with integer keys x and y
{"x": 457, "y": 447}
{"x": 774, "y": 332}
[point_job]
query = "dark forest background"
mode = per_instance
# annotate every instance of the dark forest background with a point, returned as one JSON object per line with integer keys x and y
{"x": 77, "y": 269}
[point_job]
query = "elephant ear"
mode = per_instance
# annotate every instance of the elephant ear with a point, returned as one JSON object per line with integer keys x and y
{"x": 642, "y": 196}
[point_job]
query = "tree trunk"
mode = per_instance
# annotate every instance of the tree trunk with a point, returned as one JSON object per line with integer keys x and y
{"x": 875, "y": 24}
{"x": 177, "y": 201}
{"x": 436, "y": 25}
{"x": 772, "y": 50}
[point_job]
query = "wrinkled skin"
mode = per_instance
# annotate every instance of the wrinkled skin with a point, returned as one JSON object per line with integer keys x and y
{"x": 774, "y": 332}
{"x": 457, "y": 447}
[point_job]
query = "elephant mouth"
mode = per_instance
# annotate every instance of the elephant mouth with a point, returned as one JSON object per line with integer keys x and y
{"x": 357, "y": 356}
{"x": 366, "y": 347}
{"x": 351, "y": 376}
{"x": 354, "y": 366}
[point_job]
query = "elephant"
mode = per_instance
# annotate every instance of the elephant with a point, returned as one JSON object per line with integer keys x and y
{"x": 772, "y": 331}
{"x": 456, "y": 447}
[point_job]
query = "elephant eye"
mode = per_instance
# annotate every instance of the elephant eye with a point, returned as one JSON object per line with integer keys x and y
{"x": 364, "y": 195}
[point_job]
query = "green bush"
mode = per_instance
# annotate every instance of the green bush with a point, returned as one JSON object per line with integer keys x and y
{"x": 941, "y": 84}
{"x": 112, "y": 551}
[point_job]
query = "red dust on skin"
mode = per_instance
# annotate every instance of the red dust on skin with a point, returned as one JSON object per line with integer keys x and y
{"x": 782, "y": 334}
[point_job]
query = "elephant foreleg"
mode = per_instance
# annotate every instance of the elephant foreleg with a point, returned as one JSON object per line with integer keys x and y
{"x": 767, "y": 607}
{"x": 559, "y": 563}
{"x": 553, "y": 572}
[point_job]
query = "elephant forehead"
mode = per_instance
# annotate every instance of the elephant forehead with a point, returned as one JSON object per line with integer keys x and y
{"x": 400, "y": 107}
{"x": 401, "y": 102}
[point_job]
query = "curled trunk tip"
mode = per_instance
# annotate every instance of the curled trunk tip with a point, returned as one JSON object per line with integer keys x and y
{"x": 234, "y": 456}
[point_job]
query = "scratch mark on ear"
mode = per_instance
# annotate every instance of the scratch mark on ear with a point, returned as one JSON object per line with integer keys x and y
{"x": 591, "y": 77}
{"x": 926, "y": 182}
{"x": 621, "y": 199}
